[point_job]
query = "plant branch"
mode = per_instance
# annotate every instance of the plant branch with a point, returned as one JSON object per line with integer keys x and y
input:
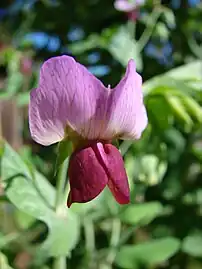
{"x": 151, "y": 22}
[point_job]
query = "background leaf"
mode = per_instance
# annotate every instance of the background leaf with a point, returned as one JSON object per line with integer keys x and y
{"x": 141, "y": 214}
{"x": 191, "y": 245}
{"x": 35, "y": 196}
{"x": 149, "y": 253}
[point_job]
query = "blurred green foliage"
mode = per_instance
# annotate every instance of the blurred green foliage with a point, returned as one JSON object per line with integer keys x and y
{"x": 161, "y": 228}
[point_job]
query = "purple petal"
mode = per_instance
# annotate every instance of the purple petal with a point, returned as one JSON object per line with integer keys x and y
{"x": 94, "y": 167}
{"x": 67, "y": 95}
{"x": 126, "y": 115}
{"x": 114, "y": 168}
{"x": 133, "y": 15}
{"x": 126, "y": 5}
{"x": 87, "y": 175}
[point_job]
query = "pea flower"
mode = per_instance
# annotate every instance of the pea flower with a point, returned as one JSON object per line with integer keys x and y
{"x": 71, "y": 103}
{"x": 130, "y": 7}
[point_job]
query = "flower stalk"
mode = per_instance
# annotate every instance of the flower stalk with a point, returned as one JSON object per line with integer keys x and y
{"x": 115, "y": 237}
{"x": 60, "y": 185}
{"x": 60, "y": 262}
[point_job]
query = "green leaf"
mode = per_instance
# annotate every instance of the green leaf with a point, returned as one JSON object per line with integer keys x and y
{"x": 197, "y": 150}
{"x": 193, "y": 107}
{"x": 4, "y": 262}
{"x": 177, "y": 143}
{"x": 149, "y": 254}
{"x": 163, "y": 84}
{"x": 64, "y": 229}
{"x": 31, "y": 193}
{"x": 141, "y": 214}
{"x": 6, "y": 239}
{"x": 192, "y": 245}
{"x": 123, "y": 48}
{"x": 13, "y": 165}
{"x": 176, "y": 79}
{"x": 183, "y": 72}
{"x": 23, "y": 220}
{"x": 160, "y": 112}
{"x": 179, "y": 109}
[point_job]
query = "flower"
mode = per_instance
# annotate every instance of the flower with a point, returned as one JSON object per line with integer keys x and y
{"x": 127, "y": 5}
{"x": 70, "y": 103}
{"x": 130, "y": 7}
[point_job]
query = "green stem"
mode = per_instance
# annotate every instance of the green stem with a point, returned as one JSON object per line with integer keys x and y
{"x": 126, "y": 235}
{"x": 59, "y": 263}
{"x": 66, "y": 192}
{"x": 60, "y": 185}
{"x": 131, "y": 25}
{"x": 114, "y": 241}
{"x": 151, "y": 22}
{"x": 124, "y": 147}
{"x": 89, "y": 235}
